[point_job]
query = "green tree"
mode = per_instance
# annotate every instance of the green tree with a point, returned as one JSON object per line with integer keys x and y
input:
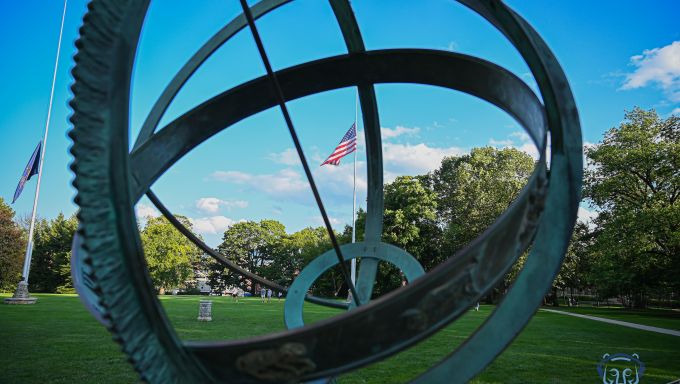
{"x": 576, "y": 270}
{"x": 473, "y": 190}
{"x": 221, "y": 278}
{"x": 409, "y": 222}
{"x": 634, "y": 180}
{"x": 409, "y": 207}
{"x": 170, "y": 256}
{"x": 294, "y": 252}
{"x": 12, "y": 247}
{"x": 252, "y": 246}
{"x": 51, "y": 260}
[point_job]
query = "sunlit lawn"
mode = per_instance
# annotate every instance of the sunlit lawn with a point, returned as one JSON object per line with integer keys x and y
{"x": 56, "y": 341}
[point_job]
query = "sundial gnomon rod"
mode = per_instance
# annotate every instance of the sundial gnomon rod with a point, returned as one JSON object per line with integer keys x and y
{"x": 289, "y": 122}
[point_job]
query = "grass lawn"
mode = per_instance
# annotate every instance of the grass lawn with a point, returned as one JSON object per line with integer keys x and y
{"x": 56, "y": 341}
{"x": 662, "y": 318}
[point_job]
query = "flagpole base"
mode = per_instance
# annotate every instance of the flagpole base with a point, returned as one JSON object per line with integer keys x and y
{"x": 21, "y": 295}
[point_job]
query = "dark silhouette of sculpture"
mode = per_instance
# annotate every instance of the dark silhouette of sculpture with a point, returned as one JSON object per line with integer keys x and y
{"x": 110, "y": 180}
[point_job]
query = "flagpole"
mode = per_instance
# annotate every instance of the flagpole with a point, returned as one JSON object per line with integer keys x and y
{"x": 353, "y": 272}
{"x": 29, "y": 247}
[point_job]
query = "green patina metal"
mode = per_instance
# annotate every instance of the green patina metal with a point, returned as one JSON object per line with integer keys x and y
{"x": 369, "y": 108}
{"x": 110, "y": 181}
{"x": 378, "y": 251}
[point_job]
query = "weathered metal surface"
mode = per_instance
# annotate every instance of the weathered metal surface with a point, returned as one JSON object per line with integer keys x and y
{"x": 106, "y": 48}
{"x": 82, "y": 282}
{"x": 377, "y": 251}
{"x": 374, "y": 167}
{"x": 430, "y": 67}
{"x": 281, "y": 101}
{"x": 561, "y": 204}
{"x": 110, "y": 181}
{"x": 286, "y": 364}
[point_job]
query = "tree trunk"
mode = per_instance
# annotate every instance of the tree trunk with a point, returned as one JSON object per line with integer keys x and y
{"x": 554, "y": 298}
{"x": 639, "y": 301}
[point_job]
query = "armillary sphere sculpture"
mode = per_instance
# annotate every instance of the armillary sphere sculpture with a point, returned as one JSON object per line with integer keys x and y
{"x": 114, "y": 281}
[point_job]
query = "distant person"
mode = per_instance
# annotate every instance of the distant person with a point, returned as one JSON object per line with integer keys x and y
{"x": 280, "y": 294}
{"x": 263, "y": 293}
{"x": 477, "y": 307}
{"x": 269, "y": 295}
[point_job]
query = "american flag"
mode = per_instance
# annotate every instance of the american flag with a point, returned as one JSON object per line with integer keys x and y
{"x": 347, "y": 145}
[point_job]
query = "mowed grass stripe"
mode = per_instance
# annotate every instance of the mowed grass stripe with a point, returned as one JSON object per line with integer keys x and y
{"x": 661, "y": 318}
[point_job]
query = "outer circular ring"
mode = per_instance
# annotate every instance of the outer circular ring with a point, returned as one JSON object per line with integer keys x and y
{"x": 104, "y": 62}
{"x": 80, "y": 275}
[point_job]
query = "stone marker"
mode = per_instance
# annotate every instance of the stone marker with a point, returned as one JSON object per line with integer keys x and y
{"x": 205, "y": 310}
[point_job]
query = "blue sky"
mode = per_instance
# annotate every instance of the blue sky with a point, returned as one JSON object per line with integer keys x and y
{"x": 616, "y": 55}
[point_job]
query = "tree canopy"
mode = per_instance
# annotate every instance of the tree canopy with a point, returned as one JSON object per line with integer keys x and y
{"x": 251, "y": 245}
{"x": 631, "y": 250}
{"x": 633, "y": 180}
{"x": 12, "y": 247}
{"x": 169, "y": 255}
{"x": 473, "y": 190}
{"x": 51, "y": 260}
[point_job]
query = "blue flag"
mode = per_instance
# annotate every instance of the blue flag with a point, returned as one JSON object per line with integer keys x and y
{"x": 31, "y": 169}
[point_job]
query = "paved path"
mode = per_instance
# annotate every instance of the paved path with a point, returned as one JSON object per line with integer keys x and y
{"x": 618, "y": 322}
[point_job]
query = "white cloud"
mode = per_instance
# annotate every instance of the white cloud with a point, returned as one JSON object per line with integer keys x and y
{"x": 213, "y": 204}
{"x": 500, "y": 143}
{"x": 319, "y": 220}
{"x": 288, "y": 157}
{"x": 521, "y": 136}
{"x": 335, "y": 182}
{"x": 587, "y": 164}
{"x": 388, "y": 133}
{"x": 519, "y": 140}
{"x": 452, "y": 46}
{"x": 415, "y": 159}
{"x": 659, "y": 66}
{"x": 676, "y": 111}
{"x": 211, "y": 224}
{"x": 586, "y": 216}
{"x": 530, "y": 149}
{"x": 146, "y": 211}
{"x": 208, "y": 204}
{"x": 286, "y": 182}
{"x": 398, "y": 159}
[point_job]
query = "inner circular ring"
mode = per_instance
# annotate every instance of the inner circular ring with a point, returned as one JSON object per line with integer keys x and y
{"x": 376, "y": 250}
